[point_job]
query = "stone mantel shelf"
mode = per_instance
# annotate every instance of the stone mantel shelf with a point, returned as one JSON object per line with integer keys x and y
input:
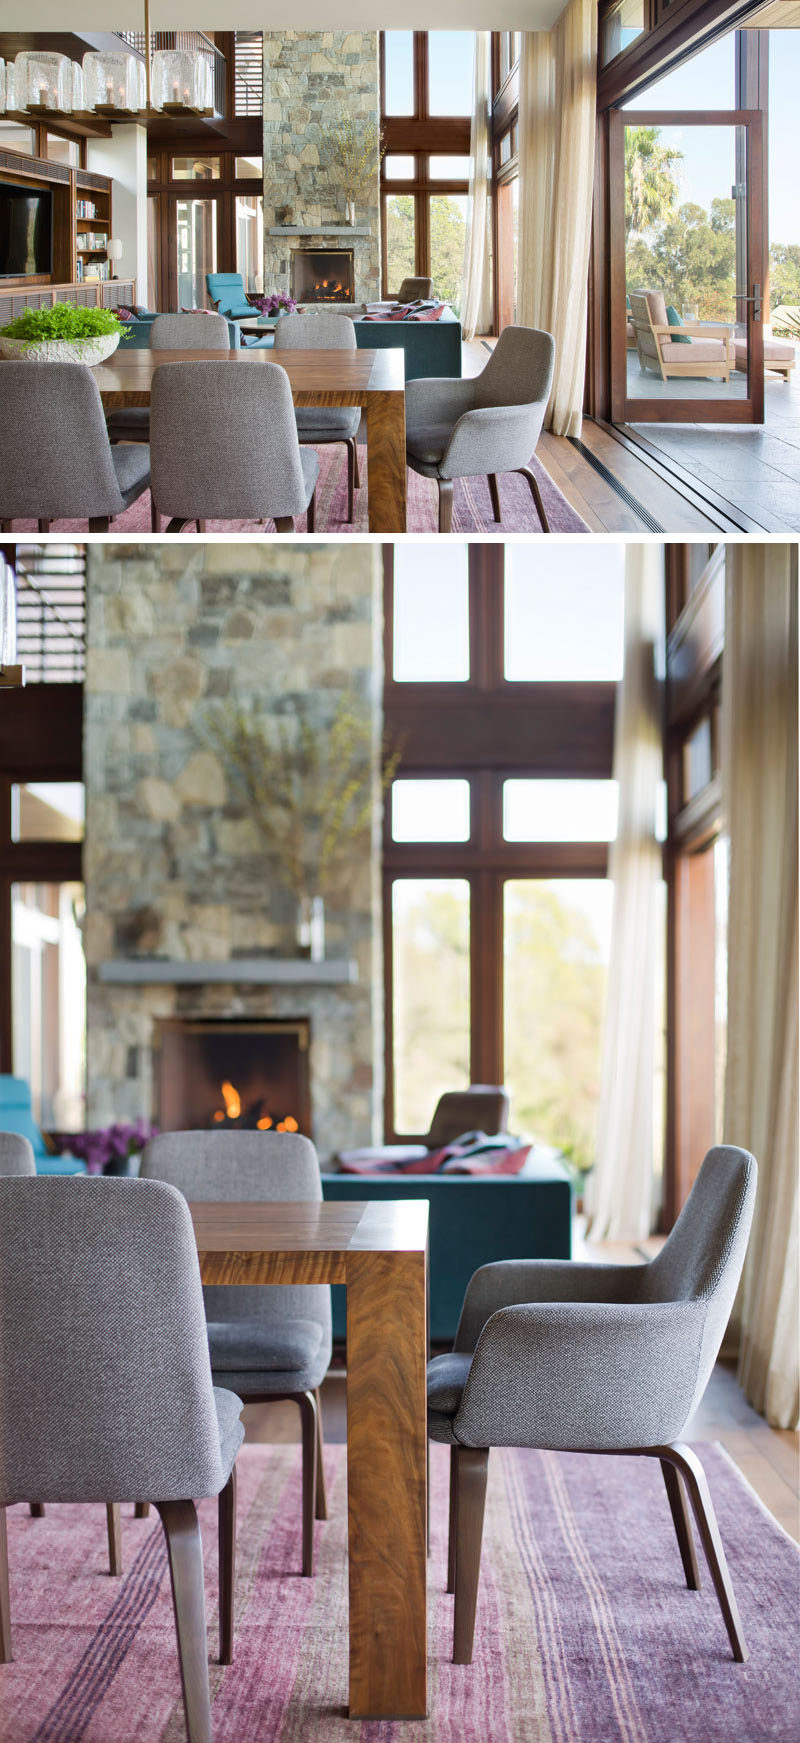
{"x": 263, "y": 970}
{"x": 320, "y": 230}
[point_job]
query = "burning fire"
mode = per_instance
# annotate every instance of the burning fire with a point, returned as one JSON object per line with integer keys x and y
{"x": 231, "y": 1113}
{"x": 232, "y": 1100}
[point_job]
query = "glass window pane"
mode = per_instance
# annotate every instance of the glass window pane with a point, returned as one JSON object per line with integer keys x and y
{"x": 399, "y": 55}
{"x": 621, "y": 27}
{"x": 430, "y": 995}
{"x": 698, "y": 761}
{"x": 430, "y": 810}
{"x": 431, "y": 613}
{"x": 47, "y": 811}
{"x": 448, "y": 226}
{"x": 14, "y": 137}
{"x": 196, "y": 222}
{"x": 152, "y": 252}
{"x": 450, "y": 60}
{"x": 560, "y": 622}
{"x": 195, "y": 169}
{"x": 556, "y": 946}
{"x": 63, "y": 150}
{"x": 250, "y": 240}
{"x": 448, "y": 169}
{"x": 401, "y": 259}
{"x": 399, "y": 169}
{"x": 48, "y": 991}
{"x": 248, "y": 169}
{"x": 536, "y": 810}
{"x": 707, "y": 81}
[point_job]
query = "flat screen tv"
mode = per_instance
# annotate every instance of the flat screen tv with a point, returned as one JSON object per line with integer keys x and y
{"x": 26, "y": 231}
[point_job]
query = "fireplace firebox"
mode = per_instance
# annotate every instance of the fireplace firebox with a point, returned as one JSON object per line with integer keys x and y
{"x": 323, "y": 275}
{"x": 216, "y": 1074}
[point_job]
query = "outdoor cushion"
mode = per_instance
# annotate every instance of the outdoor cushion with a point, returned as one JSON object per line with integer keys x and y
{"x": 703, "y": 350}
{"x": 676, "y": 320}
{"x": 658, "y": 308}
{"x": 245, "y": 1345}
{"x": 775, "y": 351}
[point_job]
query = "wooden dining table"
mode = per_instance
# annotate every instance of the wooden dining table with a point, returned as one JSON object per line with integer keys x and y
{"x": 379, "y": 1251}
{"x": 374, "y": 380}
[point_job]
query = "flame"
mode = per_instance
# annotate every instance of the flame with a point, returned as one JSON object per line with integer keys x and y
{"x": 218, "y": 1115}
{"x": 232, "y": 1100}
{"x": 263, "y": 1125}
{"x": 287, "y": 1125}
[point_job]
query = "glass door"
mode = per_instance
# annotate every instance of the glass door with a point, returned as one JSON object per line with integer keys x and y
{"x": 194, "y": 249}
{"x": 687, "y": 267}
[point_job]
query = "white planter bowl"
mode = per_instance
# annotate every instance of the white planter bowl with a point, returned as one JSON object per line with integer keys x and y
{"x": 90, "y": 351}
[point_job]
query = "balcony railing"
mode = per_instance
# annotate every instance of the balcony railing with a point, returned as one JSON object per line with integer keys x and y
{"x": 51, "y": 612}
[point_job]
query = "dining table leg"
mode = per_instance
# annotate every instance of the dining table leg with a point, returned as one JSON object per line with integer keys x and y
{"x": 386, "y": 461}
{"x": 386, "y": 1477}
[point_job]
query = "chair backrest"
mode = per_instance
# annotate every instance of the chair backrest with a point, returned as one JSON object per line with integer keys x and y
{"x": 55, "y": 456}
{"x": 703, "y": 1256}
{"x": 223, "y": 441}
{"x": 246, "y": 1168}
{"x": 226, "y": 290}
{"x": 481, "y": 1108}
{"x": 105, "y": 1381}
{"x": 16, "y": 1155}
{"x": 648, "y": 307}
{"x": 323, "y": 331}
{"x": 197, "y": 330}
{"x": 519, "y": 371}
{"x": 415, "y": 290}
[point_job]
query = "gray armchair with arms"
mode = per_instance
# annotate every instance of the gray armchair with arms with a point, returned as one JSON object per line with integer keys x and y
{"x": 596, "y": 1358}
{"x": 485, "y": 424}
{"x": 265, "y": 1343}
{"x": 105, "y": 1386}
{"x": 415, "y": 290}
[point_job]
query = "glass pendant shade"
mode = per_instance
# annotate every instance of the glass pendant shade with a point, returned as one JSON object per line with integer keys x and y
{"x": 77, "y": 87}
{"x": 2, "y": 87}
{"x": 11, "y": 88}
{"x": 182, "y": 79}
{"x": 113, "y": 81}
{"x": 43, "y": 81}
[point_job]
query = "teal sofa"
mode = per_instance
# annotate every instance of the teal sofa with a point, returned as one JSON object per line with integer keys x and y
{"x": 431, "y": 348}
{"x": 137, "y": 336}
{"x": 16, "y": 1116}
{"x": 473, "y": 1221}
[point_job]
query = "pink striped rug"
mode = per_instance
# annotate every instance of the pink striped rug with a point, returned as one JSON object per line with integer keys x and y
{"x": 585, "y": 1629}
{"x": 472, "y": 506}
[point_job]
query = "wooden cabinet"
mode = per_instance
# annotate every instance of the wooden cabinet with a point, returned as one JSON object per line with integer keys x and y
{"x": 113, "y": 294}
{"x": 82, "y": 215}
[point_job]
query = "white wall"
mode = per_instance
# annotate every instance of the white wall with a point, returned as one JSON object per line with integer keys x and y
{"x": 124, "y": 158}
{"x": 305, "y": 15}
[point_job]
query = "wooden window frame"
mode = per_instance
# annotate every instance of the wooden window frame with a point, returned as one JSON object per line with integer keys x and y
{"x": 166, "y": 190}
{"x": 421, "y": 136}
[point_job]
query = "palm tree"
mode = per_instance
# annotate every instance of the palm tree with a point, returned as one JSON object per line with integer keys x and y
{"x": 651, "y": 179}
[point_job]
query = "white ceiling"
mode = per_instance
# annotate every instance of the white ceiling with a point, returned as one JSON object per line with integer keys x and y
{"x": 306, "y": 15}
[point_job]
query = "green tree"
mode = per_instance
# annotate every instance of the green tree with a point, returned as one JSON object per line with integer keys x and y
{"x": 400, "y": 253}
{"x": 448, "y": 230}
{"x": 692, "y": 259}
{"x": 651, "y": 179}
{"x": 784, "y": 274}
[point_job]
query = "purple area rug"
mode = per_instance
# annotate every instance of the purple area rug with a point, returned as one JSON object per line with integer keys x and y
{"x": 472, "y": 512}
{"x": 585, "y": 1632}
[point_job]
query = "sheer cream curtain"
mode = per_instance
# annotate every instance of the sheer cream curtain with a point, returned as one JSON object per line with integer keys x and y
{"x": 557, "y": 122}
{"x": 476, "y": 288}
{"x": 760, "y": 773}
{"x": 620, "y": 1189}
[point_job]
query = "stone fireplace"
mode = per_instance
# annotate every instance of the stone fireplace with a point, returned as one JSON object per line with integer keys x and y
{"x": 323, "y": 275}
{"x": 193, "y": 973}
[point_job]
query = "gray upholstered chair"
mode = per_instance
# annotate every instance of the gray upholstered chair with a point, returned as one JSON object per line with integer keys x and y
{"x": 193, "y": 330}
{"x": 415, "y": 290}
{"x": 16, "y": 1155}
{"x": 596, "y": 1358}
{"x": 265, "y": 1343}
{"x": 484, "y": 424}
{"x": 318, "y": 425}
{"x": 224, "y": 446}
{"x": 56, "y": 462}
{"x": 481, "y": 1108}
{"x": 105, "y": 1386}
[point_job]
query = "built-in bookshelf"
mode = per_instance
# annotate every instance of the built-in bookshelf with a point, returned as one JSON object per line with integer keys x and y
{"x": 92, "y": 228}
{"x": 82, "y": 215}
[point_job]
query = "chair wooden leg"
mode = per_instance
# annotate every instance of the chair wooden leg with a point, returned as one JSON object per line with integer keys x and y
{"x": 472, "y": 1466}
{"x": 36, "y": 1509}
{"x": 6, "y": 526}
{"x": 494, "y": 493}
{"x": 691, "y": 1470}
{"x": 182, "y": 1532}
{"x": 155, "y": 518}
{"x": 141, "y": 1510}
{"x": 537, "y": 496}
{"x": 99, "y": 524}
{"x": 308, "y": 1423}
{"x": 357, "y": 468}
{"x": 284, "y": 523}
{"x": 445, "y": 505}
{"x": 350, "y": 482}
{"x": 227, "y": 1567}
{"x": 311, "y": 515}
{"x": 321, "y": 1509}
{"x": 114, "y": 1528}
{"x": 452, "y": 1530}
{"x": 5, "y": 1595}
{"x": 681, "y": 1519}
{"x": 44, "y": 526}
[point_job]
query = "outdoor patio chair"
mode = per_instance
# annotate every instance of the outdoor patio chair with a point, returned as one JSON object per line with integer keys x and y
{"x": 684, "y": 349}
{"x": 131, "y": 1312}
{"x": 56, "y": 461}
{"x": 601, "y": 1359}
{"x": 489, "y": 423}
{"x": 224, "y": 446}
{"x": 319, "y": 425}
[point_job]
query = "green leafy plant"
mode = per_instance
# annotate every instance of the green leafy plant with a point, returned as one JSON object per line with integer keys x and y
{"x": 351, "y": 151}
{"x": 310, "y": 790}
{"x": 63, "y": 321}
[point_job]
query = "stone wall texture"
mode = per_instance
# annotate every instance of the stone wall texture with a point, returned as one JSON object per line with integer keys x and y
{"x": 310, "y": 79}
{"x": 174, "y": 866}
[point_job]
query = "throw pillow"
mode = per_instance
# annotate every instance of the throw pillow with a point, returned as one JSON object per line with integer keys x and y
{"x": 675, "y": 321}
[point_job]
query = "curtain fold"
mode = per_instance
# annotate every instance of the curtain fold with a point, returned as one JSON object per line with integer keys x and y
{"x": 476, "y": 287}
{"x": 760, "y": 774}
{"x": 557, "y": 124}
{"x": 619, "y": 1195}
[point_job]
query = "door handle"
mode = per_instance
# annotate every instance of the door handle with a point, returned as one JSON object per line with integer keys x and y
{"x": 755, "y": 299}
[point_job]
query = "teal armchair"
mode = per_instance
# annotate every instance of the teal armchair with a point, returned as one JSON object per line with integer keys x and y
{"x": 16, "y": 1116}
{"x": 227, "y": 293}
